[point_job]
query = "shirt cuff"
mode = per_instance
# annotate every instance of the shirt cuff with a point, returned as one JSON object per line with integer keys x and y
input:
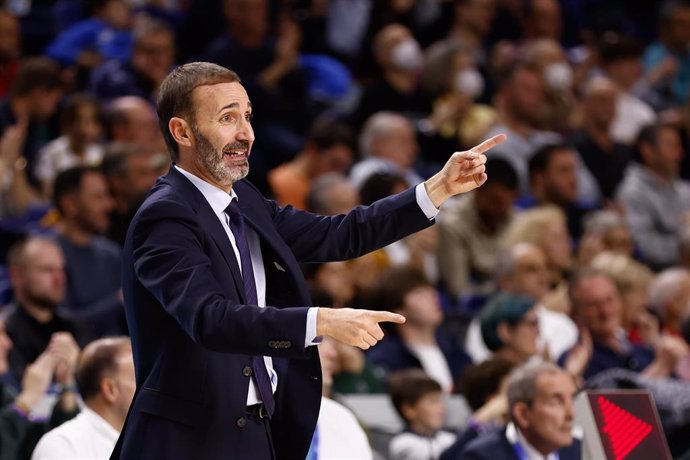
{"x": 424, "y": 202}
{"x": 311, "y": 338}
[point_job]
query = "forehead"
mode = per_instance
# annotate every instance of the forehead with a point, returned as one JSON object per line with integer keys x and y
{"x": 210, "y": 99}
{"x": 552, "y": 383}
{"x": 39, "y": 252}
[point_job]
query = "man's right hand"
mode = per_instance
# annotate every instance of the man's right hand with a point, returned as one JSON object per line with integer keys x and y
{"x": 359, "y": 328}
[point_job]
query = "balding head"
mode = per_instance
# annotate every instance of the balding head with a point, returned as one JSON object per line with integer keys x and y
{"x": 132, "y": 119}
{"x": 391, "y": 136}
{"x": 600, "y": 96}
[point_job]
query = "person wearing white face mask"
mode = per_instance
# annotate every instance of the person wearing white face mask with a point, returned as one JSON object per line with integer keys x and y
{"x": 451, "y": 77}
{"x": 395, "y": 88}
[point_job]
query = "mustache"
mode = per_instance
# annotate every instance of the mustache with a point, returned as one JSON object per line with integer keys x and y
{"x": 239, "y": 145}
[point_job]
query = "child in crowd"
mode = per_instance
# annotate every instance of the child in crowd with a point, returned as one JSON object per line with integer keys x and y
{"x": 419, "y": 400}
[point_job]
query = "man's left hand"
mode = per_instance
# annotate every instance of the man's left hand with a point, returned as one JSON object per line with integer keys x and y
{"x": 463, "y": 172}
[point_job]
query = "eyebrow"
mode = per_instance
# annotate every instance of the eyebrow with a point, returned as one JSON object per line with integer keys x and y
{"x": 234, "y": 105}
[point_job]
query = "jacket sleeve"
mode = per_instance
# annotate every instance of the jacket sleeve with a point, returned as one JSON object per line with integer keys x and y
{"x": 170, "y": 262}
{"x": 315, "y": 238}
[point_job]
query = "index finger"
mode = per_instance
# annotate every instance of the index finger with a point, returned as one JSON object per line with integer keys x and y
{"x": 388, "y": 317}
{"x": 489, "y": 143}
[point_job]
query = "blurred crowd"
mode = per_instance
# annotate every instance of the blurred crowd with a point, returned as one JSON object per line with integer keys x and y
{"x": 568, "y": 269}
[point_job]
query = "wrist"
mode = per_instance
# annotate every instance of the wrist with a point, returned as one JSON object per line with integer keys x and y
{"x": 62, "y": 388}
{"x": 436, "y": 189}
{"x": 24, "y": 403}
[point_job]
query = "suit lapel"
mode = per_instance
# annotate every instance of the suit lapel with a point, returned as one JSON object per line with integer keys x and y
{"x": 209, "y": 221}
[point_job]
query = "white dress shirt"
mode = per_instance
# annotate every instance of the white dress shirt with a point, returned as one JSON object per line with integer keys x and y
{"x": 530, "y": 453}
{"x": 86, "y": 437}
{"x": 219, "y": 201}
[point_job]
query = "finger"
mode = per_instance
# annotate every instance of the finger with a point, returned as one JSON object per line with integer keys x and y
{"x": 489, "y": 143}
{"x": 388, "y": 317}
{"x": 481, "y": 169}
{"x": 377, "y": 332}
{"x": 369, "y": 339}
{"x": 479, "y": 179}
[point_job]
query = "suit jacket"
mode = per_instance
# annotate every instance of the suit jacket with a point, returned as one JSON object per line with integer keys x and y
{"x": 192, "y": 334}
{"x": 495, "y": 446}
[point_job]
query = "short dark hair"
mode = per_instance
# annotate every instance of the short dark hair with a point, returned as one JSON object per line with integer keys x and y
{"x": 409, "y": 386}
{"x": 394, "y": 284}
{"x": 36, "y": 73}
{"x": 502, "y": 308}
{"x": 98, "y": 360}
{"x": 500, "y": 171}
{"x": 114, "y": 161}
{"x": 175, "y": 94}
{"x": 542, "y": 157}
{"x": 70, "y": 108}
{"x": 481, "y": 381}
{"x": 326, "y": 133}
{"x": 378, "y": 186}
{"x": 649, "y": 135}
{"x": 614, "y": 47}
{"x": 69, "y": 181}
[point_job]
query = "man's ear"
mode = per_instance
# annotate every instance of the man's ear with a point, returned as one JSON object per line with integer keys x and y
{"x": 520, "y": 414}
{"x": 180, "y": 131}
{"x": 503, "y": 332}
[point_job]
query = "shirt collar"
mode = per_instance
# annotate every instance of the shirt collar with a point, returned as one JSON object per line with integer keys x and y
{"x": 217, "y": 198}
{"x": 100, "y": 423}
{"x": 515, "y": 437}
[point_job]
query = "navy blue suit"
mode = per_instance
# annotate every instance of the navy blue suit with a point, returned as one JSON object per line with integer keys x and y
{"x": 193, "y": 336}
{"x": 495, "y": 446}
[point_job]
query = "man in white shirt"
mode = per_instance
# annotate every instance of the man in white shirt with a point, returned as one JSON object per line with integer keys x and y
{"x": 106, "y": 383}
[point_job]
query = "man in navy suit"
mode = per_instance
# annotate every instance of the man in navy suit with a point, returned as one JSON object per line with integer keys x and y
{"x": 222, "y": 326}
{"x": 540, "y": 402}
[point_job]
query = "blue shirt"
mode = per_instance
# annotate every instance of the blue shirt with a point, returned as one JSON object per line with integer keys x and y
{"x": 91, "y": 35}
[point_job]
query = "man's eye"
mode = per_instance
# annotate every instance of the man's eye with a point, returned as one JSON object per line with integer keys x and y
{"x": 226, "y": 118}
{"x": 249, "y": 117}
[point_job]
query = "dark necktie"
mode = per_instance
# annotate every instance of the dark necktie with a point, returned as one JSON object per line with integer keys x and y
{"x": 263, "y": 381}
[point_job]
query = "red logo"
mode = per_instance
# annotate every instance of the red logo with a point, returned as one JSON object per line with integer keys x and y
{"x": 624, "y": 430}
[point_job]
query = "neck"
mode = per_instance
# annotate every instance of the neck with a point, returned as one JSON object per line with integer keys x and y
{"x": 74, "y": 233}
{"x": 78, "y": 147}
{"x": 537, "y": 443}
{"x": 516, "y": 124}
{"x": 402, "y": 81}
{"x": 600, "y": 136}
{"x": 191, "y": 168}
{"x": 512, "y": 355}
{"x": 417, "y": 335}
{"x": 106, "y": 412}
{"x": 40, "y": 314}
{"x": 422, "y": 429}
{"x": 660, "y": 175}
{"x": 304, "y": 165}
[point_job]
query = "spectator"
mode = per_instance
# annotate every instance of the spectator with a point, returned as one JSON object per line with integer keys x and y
{"x": 597, "y": 308}
{"x": 633, "y": 280}
{"x": 510, "y": 327}
{"x": 417, "y": 343}
{"x": 387, "y": 143}
{"x": 621, "y": 60}
{"x": 19, "y": 432}
{"x": 10, "y": 50}
{"x": 471, "y": 227}
{"x": 396, "y": 88}
{"x": 484, "y": 388}
{"x": 520, "y": 102}
{"x": 333, "y": 278}
{"x": 131, "y": 172}
{"x": 669, "y": 296}
{"x": 605, "y": 158}
{"x": 452, "y": 78}
{"x": 521, "y": 270}
{"x": 131, "y": 119}
{"x": 553, "y": 181}
{"x": 540, "y": 403}
{"x": 337, "y": 434}
{"x": 331, "y": 194}
{"x": 104, "y": 35}
{"x": 37, "y": 275}
{"x": 94, "y": 296}
{"x": 329, "y": 148}
{"x": 153, "y": 56}
{"x": 545, "y": 227}
{"x": 32, "y": 100}
{"x": 655, "y": 199}
{"x": 472, "y": 20}
{"x": 667, "y": 61}
{"x": 418, "y": 399}
{"x": 541, "y": 19}
{"x": 604, "y": 231}
{"x": 82, "y": 127}
{"x": 106, "y": 384}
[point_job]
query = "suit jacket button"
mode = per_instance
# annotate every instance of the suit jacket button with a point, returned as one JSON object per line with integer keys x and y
{"x": 241, "y": 422}
{"x": 247, "y": 371}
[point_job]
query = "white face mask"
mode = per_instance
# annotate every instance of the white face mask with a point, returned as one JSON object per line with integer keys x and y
{"x": 407, "y": 55}
{"x": 470, "y": 82}
{"x": 559, "y": 76}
